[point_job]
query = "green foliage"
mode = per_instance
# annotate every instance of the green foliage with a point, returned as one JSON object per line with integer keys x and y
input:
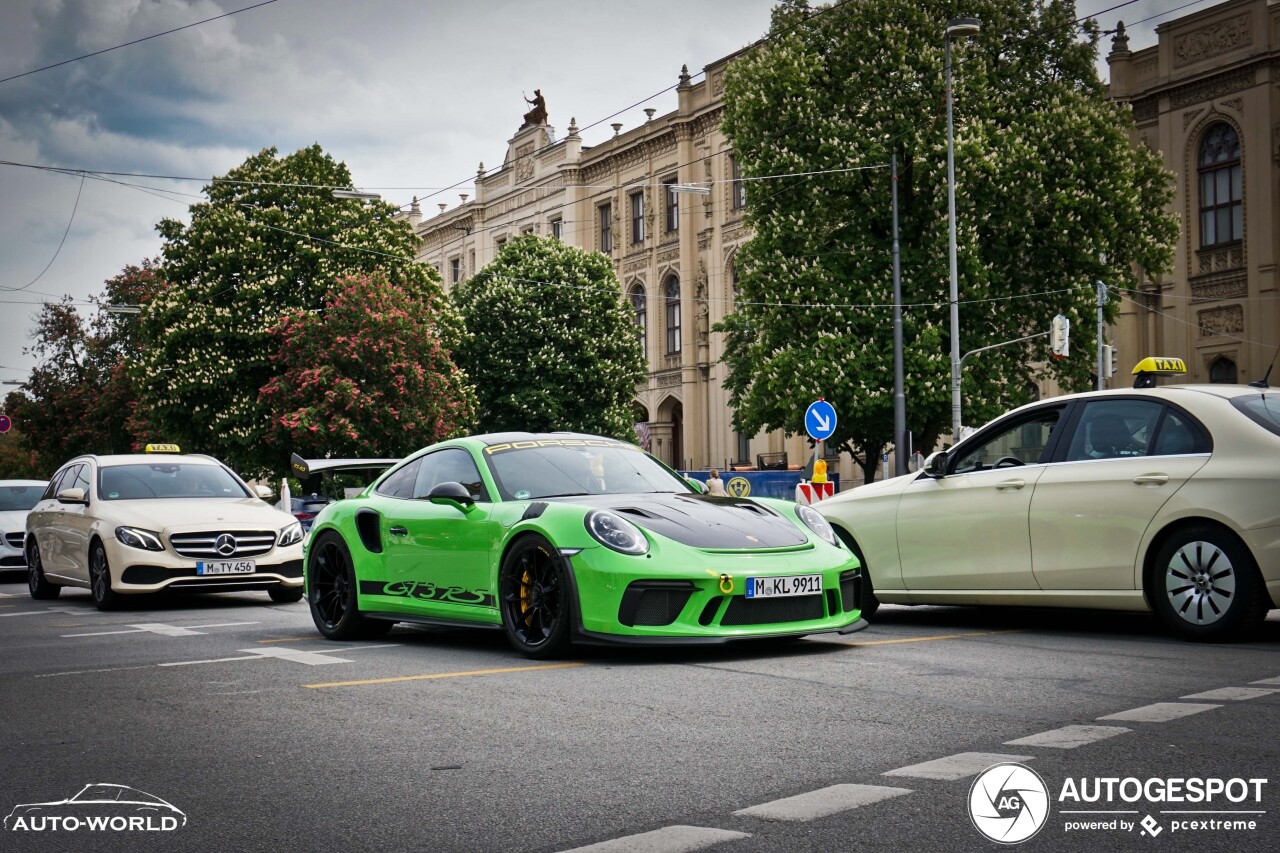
{"x": 551, "y": 346}
{"x": 79, "y": 398}
{"x": 1047, "y": 183}
{"x": 270, "y": 240}
{"x": 369, "y": 377}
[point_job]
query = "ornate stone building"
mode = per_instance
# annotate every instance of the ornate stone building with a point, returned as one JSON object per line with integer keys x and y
{"x": 673, "y": 252}
{"x": 1207, "y": 96}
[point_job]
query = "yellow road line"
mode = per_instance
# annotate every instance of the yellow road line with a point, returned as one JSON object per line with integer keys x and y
{"x": 444, "y": 675}
{"x": 935, "y": 637}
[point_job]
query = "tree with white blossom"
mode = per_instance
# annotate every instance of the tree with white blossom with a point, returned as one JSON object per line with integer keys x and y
{"x": 1051, "y": 197}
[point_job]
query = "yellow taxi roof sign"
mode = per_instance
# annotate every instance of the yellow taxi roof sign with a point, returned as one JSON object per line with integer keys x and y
{"x": 1160, "y": 365}
{"x": 162, "y": 448}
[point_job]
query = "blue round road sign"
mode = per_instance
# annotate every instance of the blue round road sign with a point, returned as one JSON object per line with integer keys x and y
{"x": 820, "y": 420}
{"x": 5, "y": 423}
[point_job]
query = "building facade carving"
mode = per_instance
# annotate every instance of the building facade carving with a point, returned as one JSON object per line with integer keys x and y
{"x": 1215, "y": 71}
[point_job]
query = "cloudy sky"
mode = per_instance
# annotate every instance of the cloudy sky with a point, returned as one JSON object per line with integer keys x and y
{"x": 411, "y": 94}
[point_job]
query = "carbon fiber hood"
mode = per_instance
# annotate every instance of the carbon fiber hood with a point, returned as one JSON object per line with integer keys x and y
{"x": 702, "y": 521}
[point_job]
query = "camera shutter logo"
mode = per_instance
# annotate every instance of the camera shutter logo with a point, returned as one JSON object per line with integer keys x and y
{"x": 1009, "y": 803}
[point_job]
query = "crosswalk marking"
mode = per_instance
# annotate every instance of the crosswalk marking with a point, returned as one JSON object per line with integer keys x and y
{"x": 669, "y": 839}
{"x": 1069, "y": 737}
{"x": 1234, "y": 694}
{"x": 1275, "y": 680}
{"x": 1160, "y": 712}
{"x": 823, "y": 802}
{"x": 39, "y": 612}
{"x": 956, "y": 766}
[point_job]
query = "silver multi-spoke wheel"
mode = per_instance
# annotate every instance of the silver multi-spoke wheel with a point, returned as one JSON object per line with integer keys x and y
{"x": 1200, "y": 582}
{"x": 1204, "y": 583}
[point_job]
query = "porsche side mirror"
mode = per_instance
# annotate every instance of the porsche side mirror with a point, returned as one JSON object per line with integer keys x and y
{"x": 698, "y": 486}
{"x": 72, "y": 496}
{"x": 263, "y": 492}
{"x": 936, "y": 465}
{"x": 452, "y": 494}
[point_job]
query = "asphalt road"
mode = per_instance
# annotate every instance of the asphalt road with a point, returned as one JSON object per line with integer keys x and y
{"x": 267, "y": 737}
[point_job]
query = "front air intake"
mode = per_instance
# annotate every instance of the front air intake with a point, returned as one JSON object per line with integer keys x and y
{"x": 653, "y": 603}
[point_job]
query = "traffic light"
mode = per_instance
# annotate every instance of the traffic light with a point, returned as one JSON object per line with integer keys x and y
{"x": 1110, "y": 359}
{"x": 1059, "y": 335}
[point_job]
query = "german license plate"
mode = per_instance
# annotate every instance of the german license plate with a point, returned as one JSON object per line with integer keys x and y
{"x": 784, "y": 586}
{"x": 225, "y": 567}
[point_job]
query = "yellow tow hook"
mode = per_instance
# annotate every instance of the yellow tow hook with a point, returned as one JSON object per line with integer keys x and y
{"x": 726, "y": 583}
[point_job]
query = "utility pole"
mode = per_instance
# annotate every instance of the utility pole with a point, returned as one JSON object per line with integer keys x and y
{"x": 899, "y": 381}
{"x": 1102, "y": 300}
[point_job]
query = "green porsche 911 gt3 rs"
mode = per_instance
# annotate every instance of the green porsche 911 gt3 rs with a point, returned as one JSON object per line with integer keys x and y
{"x": 560, "y": 537}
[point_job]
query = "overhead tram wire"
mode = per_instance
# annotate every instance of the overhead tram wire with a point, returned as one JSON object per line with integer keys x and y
{"x": 61, "y": 242}
{"x": 137, "y": 41}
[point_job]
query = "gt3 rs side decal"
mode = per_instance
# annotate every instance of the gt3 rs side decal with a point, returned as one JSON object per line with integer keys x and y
{"x": 427, "y": 591}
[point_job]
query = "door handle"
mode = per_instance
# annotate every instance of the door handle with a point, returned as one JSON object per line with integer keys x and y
{"x": 398, "y": 531}
{"x": 1010, "y": 484}
{"x": 1151, "y": 479}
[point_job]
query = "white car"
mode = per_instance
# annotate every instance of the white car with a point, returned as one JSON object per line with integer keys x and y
{"x": 143, "y": 523}
{"x": 1162, "y": 499}
{"x": 17, "y": 497}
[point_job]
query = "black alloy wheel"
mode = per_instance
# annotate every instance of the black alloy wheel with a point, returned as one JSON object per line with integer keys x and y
{"x": 331, "y": 584}
{"x": 535, "y": 598}
{"x": 37, "y": 583}
{"x": 104, "y": 597}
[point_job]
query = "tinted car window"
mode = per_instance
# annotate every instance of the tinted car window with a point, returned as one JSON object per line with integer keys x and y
{"x": 1111, "y": 429}
{"x": 1023, "y": 440}
{"x": 19, "y": 498}
{"x": 452, "y": 465}
{"x": 55, "y": 483}
{"x": 167, "y": 480}
{"x": 399, "y": 483}
{"x": 1262, "y": 409}
{"x": 81, "y": 480}
{"x": 1179, "y": 434}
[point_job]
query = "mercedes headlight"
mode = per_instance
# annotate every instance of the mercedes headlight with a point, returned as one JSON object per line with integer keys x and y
{"x": 136, "y": 537}
{"x": 613, "y": 531}
{"x": 814, "y": 521}
{"x": 290, "y": 535}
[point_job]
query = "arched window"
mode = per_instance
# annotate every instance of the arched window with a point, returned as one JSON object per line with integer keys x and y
{"x": 1223, "y": 370}
{"x": 1221, "y": 210}
{"x": 734, "y": 284}
{"x": 673, "y": 315}
{"x": 640, "y": 316}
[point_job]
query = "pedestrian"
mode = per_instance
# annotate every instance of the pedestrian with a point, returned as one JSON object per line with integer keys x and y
{"x": 715, "y": 486}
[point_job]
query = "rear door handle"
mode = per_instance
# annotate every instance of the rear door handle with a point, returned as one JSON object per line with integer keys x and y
{"x": 1010, "y": 484}
{"x": 1151, "y": 479}
{"x": 398, "y": 531}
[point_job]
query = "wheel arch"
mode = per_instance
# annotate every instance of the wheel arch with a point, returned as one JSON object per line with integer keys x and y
{"x": 519, "y": 535}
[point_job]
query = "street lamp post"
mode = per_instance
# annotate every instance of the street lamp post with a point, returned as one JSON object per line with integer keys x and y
{"x": 955, "y": 27}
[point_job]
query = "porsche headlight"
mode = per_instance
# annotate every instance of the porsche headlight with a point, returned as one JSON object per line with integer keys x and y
{"x": 613, "y": 531}
{"x": 290, "y": 535}
{"x": 136, "y": 537}
{"x": 814, "y": 521}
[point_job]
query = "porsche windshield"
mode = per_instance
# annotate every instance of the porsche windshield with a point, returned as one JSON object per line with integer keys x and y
{"x": 545, "y": 468}
{"x": 167, "y": 480}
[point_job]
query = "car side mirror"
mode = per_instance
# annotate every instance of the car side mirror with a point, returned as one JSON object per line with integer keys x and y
{"x": 452, "y": 494}
{"x": 264, "y": 492}
{"x": 698, "y": 486}
{"x": 72, "y": 496}
{"x": 936, "y": 465}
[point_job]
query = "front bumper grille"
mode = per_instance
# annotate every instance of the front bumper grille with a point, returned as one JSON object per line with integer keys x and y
{"x": 653, "y": 603}
{"x": 14, "y": 561}
{"x": 851, "y": 590}
{"x": 769, "y": 611}
{"x": 144, "y": 574}
{"x": 14, "y": 540}
{"x": 205, "y": 545}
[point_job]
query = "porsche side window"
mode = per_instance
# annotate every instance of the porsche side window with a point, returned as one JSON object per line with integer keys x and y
{"x": 399, "y": 484}
{"x": 452, "y": 465}
{"x": 1021, "y": 442}
{"x": 1114, "y": 429}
